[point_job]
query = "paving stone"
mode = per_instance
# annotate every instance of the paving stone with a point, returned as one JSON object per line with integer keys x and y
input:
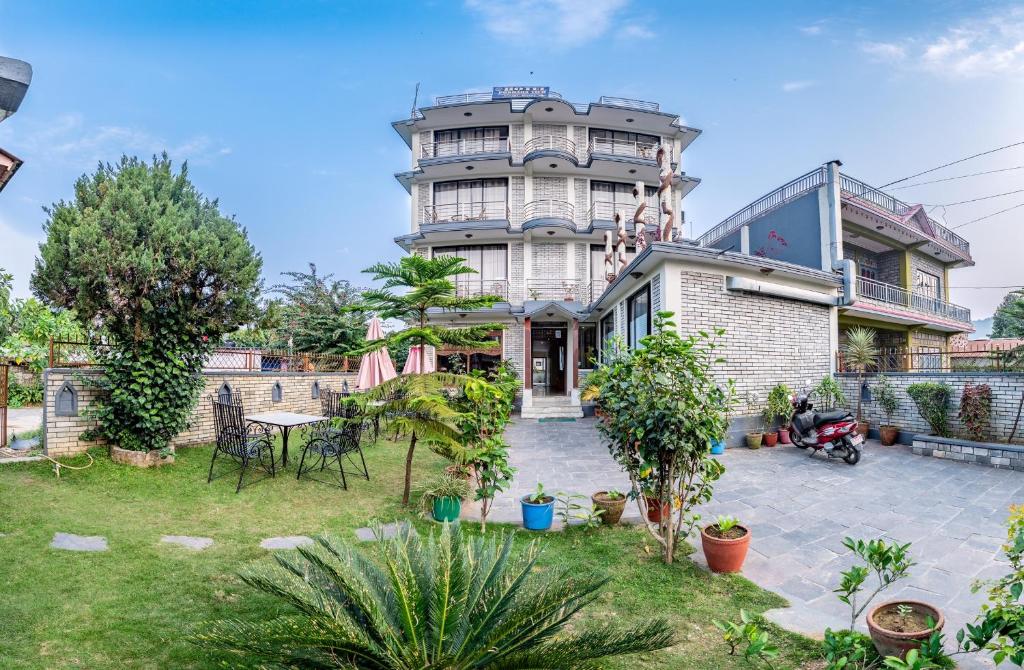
{"x": 287, "y": 542}
{"x": 386, "y": 532}
{"x": 196, "y": 543}
{"x": 71, "y": 542}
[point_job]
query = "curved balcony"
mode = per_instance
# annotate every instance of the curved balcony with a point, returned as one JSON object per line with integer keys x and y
{"x": 548, "y": 213}
{"x": 550, "y": 146}
{"x": 465, "y": 211}
{"x": 460, "y": 148}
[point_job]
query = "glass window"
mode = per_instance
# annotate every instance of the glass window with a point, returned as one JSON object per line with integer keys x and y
{"x": 868, "y": 271}
{"x": 617, "y": 137}
{"x": 491, "y": 264}
{"x": 639, "y": 316}
{"x": 926, "y": 284}
{"x": 470, "y": 199}
{"x": 460, "y": 141}
{"x": 588, "y": 345}
{"x": 607, "y": 327}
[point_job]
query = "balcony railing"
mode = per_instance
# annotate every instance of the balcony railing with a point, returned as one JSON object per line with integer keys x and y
{"x": 482, "y": 96}
{"x": 918, "y": 302}
{"x": 577, "y": 290}
{"x": 605, "y": 211}
{"x": 550, "y": 143}
{"x": 938, "y": 359}
{"x": 465, "y": 211}
{"x": 547, "y": 209}
{"x": 629, "y": 103}
{"x": 472, "y": 288}
{"x": 610, "y": 147}
{"x": 469, "y": 147}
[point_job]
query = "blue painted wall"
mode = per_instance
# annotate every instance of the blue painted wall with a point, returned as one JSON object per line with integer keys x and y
{"x": 791, "y": 233}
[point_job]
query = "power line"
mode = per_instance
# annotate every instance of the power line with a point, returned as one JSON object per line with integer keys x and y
{"x": 987, "y": 216}
{"x": 980, "y": 287}
{"x": 983, "y": 153}
{"x": 984, "y": 197}
{"x": 962, "y": 176}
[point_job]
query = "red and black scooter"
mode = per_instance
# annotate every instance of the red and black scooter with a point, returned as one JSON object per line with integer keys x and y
{"x": 833, "y": 432}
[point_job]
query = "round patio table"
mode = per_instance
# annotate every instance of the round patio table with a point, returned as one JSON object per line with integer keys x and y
{"x": 285, "y": 421}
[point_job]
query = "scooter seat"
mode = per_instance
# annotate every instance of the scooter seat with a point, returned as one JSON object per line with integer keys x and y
{"x": 828, "y": 417}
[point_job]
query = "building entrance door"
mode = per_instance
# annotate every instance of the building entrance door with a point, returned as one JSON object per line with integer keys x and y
{"x": 550, "y": 355}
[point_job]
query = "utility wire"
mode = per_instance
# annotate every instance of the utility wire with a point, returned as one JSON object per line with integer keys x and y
{"x": 983, "y": 153}
{"x": 986, "y": 287}
{"x": 984, "y": 197}
{"x": 962, "y": 176}
{"x": 987, "y": 216}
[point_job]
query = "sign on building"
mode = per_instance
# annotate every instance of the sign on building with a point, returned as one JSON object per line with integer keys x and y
{"x": 507, "y": 92}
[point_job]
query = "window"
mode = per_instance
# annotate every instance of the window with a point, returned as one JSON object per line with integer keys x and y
{"x": 470, "y": 200}
{"x": 926, "y": 284}
{"x": 597, "y": 265}
{"x": 587, "y": 345}
{"x": 491, "y": 264}
{"x": 607, "y": 327}
{"x": 276, "y": 392}
{"x": 639, "y": 316}
{"x": 470, "y": 140}
{"x": 868, "y": 271}
{"x": 623, "y": 143}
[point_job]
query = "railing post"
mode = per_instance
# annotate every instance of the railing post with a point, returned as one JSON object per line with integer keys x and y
{"x": 51, "y": 353}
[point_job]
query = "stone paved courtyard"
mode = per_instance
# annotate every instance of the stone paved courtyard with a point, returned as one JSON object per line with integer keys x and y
{"x": 800, "y": 509}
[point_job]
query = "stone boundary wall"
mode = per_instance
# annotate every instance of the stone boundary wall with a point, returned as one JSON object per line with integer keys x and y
{"x": 62, "y": 432}
{"x": 1004, "y": 456}
{"x": 1007, "y": 389}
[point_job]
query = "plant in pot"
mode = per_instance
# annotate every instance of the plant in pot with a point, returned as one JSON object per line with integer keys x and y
{"x": 538, "y": 509}
{"x": 861, "y": 352}
{"x": 612, "y": 503}
{"x": 754, "y": 437}
{"x": 725, "y": 544}
{"x": 829, "y": 394}
{"x": 887, "y": 399}
{"x": 932, "y": 401}
{"x": 778, "y": 408}
{"x": 442, "y": 496}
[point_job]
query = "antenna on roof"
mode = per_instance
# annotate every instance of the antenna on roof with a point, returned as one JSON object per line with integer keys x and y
{"x": 415, "y": 99}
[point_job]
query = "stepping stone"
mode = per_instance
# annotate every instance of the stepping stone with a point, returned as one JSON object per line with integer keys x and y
{"x": 289, "y": 542}
{"x": 72, "y": 542}
{"x": 387, "y": 531}
{"x": 196, "y": 543}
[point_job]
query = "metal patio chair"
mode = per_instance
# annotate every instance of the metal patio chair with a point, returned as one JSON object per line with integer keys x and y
{"x": 334, "y": 442}
{"x": 249, "y": 443}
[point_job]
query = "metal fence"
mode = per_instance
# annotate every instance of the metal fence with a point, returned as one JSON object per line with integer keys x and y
{"x": 935, "y": 359}
{"x": 66, "y": 354}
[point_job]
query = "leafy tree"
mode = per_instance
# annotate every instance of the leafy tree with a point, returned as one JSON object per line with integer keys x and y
{"x": 442, "y": 602}
{"x": 33, "y": 324}
{"x": 143, "y": 255}
{"x": 425, "y": 284}
{"x": 6, "y": 285}
{"x": 313, "y": 314}
{"x": 1009, "y": 318}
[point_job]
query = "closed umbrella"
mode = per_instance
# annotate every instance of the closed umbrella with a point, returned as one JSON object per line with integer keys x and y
{"x": 376, "y": 366}
{"x": 412, "y": 363}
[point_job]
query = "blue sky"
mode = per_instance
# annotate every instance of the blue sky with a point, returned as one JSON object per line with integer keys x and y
{"x": 283, "y": 108}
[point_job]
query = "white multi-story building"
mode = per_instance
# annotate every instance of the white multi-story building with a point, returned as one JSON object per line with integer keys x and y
{"x": 15, "y": 76}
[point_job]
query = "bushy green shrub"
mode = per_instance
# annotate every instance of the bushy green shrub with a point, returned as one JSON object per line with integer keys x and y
{"x": 19, "y": 395}
{"x": 976, "y": 410}
{"x": 829, "y": 393}
{"x": 886, "y": 397}
{"x": 778, "y": 406}
{"x": 932, "y": 400}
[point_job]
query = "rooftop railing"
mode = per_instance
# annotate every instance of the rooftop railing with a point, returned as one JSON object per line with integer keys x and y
{"x": 481, "y": 96}
{"x": 629, "y": 103}
{"x": 917, "y": 302}
{"x": 484, "y": 145}
{"x": 603, "y": 145}
{"x": 465, "y": 211}
{"x": 569, "y": 289}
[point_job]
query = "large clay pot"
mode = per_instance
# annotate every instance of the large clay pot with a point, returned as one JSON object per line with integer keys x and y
{"x": 862, "y": 428}
{"x": 139, "y": 459}
{"x": 613, "y": 507}
{"x": 893, "y": 643}
{"x": 784, "y": 436}
{"x": 723, "y": 554}
{"x": 888, "y": 435}
{"x": 754, "y": 440}
{"x": 770, "y": 439}
{"x": 655, "y": 510}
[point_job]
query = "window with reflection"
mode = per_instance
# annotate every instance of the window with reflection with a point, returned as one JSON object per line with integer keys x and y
{"x": 491, "y": 264}
{"x": 638, "y": 309}
{"x": 588, "y": 346}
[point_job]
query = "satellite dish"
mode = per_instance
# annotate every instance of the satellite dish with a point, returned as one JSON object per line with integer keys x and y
{"x": 15, "y": 76}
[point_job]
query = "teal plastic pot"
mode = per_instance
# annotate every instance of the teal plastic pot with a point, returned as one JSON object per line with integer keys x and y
{"x": 537, "y": 516}
{"x": 447, "y": 509}
{"x": 717, "y": 447}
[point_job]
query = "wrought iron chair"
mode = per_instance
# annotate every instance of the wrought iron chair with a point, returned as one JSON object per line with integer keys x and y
{"x": 333, "y": 442}
{"x": 249, "y": 443}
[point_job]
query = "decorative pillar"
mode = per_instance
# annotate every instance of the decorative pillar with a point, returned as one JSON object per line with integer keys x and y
{"x": 620, "y": 247}
{"x": 639, "y": 225}
{"x": 609, "y": 265}
{"x": 665, "y": 194}
{"x": 575, "y": 349}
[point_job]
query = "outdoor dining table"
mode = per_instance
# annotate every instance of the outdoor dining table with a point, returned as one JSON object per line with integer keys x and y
{"x": 285, "y": 421}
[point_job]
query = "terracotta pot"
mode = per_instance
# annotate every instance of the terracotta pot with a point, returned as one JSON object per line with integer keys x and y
{"x": 888, "y": 434}
{"x": 862, "y": 428}
{"x": 784, "y": 436}
{"x": 891, "y": 643}
{"x": 612, "y": 508}
{"x": 725, "y": 555}
{"x": 655, "y": 510}
{"x": 770, "y": 439}
{"x": 139, "y": 459}
{"x": 754, "y": 440}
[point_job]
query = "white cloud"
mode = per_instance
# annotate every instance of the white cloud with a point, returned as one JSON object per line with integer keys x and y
{"x": 568, "y": 23}
{"x": 816, "y": 28}
{"x": 18, "y": 257}
{"x": 637, "y": 31}
{"x": 884, "y": 51}
{"x": 794, "y": 86}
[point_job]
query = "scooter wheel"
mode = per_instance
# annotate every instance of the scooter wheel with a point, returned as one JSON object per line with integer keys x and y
{"x": 852, "y": 456}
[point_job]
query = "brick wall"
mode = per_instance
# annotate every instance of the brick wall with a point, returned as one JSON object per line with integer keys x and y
{"x": 549, "y": 260}
{"x": 513, "y": 343}
{"x": 1006, "y": 395}
{"x": 551, "y": 188}
{"x": 581, "y": 252}
{"x": 62, "y": 432}
{"x": 517, "y": 282}
{"x": 580, "y": 139}
{"x": 516, "y": 199}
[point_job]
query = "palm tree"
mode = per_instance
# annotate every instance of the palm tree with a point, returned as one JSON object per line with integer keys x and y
{"x": 447, "y": 602}
{"x": 860, "y": 351}
{"x": 426, "y": 284}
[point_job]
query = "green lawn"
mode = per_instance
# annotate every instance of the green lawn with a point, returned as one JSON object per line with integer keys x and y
{"x": 130, "y": 607}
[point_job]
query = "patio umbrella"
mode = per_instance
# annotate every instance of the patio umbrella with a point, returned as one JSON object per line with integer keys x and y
{"x": 412, "y": 363}
{"x": 376, "y": 366}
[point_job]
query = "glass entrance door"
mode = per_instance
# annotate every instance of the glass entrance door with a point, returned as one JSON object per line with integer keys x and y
{"x": 549, "y": 349}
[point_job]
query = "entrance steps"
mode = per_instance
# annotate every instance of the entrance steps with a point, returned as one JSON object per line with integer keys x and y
{"x": 552, "y": 408}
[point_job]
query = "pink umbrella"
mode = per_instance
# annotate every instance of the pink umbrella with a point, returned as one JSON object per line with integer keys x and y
{"x": 412, "y": 363}
{"x": 376, "y": 366}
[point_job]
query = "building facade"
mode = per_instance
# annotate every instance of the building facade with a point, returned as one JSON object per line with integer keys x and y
{"x": 15, "y": 77}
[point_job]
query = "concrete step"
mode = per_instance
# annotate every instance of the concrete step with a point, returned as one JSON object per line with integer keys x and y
{"x": 553, "y": 412}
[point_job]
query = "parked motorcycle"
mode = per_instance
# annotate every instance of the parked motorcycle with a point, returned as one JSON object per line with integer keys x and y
{"x": 835, "y": 433}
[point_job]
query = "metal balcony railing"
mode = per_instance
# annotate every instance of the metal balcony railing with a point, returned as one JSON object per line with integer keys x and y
{"x": 918, "y": 302}
{"x": 549, "y": 143}
{"x": 576, "y": 290}
{"x": 482, "y": 96}
{"x": 465, "y": 211}
{"x": 474, "y": 287}
{"x": 629, "y": 103}
{"x": 547, "y": 209}
{"x": 605, "y": 211}
{"x": 610, "y": 147}
{"x": 483, "y": 145}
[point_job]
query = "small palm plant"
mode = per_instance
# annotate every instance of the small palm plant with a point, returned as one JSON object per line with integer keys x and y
{"x": 860, "y": 351}
{"x": 448, "y": 602}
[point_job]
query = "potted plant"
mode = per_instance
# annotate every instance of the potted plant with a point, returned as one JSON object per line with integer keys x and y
{"x": 754, "y": 438}
{"x": 656, "y": 509}
{"x": 443, "y": 496}
{"x": 538, "y": 509}
{"x": 885, "y": 396}
{"x": 612, "y": 503}
{"x": 778, "y": 407}
{"x": 898, "y": 626}
{"x": 861, "y": 352}
{"x": 725, "y": 544}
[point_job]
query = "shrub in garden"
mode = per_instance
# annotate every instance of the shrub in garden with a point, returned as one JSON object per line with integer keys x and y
{"x": 829, "y": 393}
{"x": 142, "y": 255}
{"x": 932, "y": 400}
{"x": 861, "y": 351}
{"x": 886, "y": 397}
{"x": 662, "y": 409}
{"x": 778, "y": 407}
{"x": 976, "y": 410}
{"x": 447, "y": 601}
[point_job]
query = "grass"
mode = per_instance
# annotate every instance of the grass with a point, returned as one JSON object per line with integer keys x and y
{"x": 133, "y": 605}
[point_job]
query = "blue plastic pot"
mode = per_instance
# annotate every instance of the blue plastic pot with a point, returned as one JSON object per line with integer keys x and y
{"x": 717, "y": 446}
{"x": 537, "y": 516}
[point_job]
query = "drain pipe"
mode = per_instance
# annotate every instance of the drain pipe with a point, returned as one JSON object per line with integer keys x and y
{"x": 835, "y": 230}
